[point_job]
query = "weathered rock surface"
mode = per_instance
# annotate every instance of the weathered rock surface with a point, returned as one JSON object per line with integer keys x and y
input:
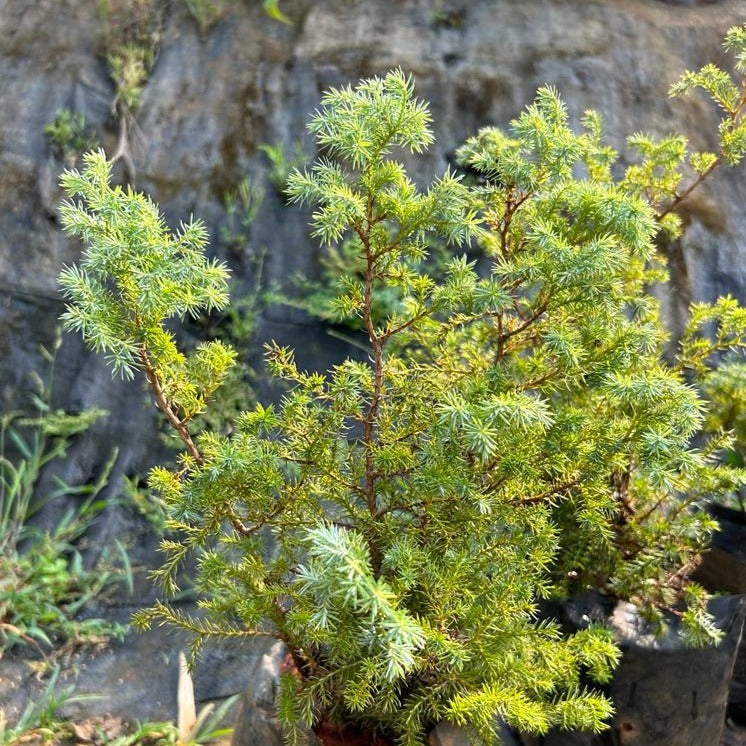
{"x": 135, "y": 679}
{"x": 256, "y": 723}
{"x": 213, "y": 97}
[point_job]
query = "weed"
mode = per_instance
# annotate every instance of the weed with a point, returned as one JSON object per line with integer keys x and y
{"x": 43, "y": 583}
{"x": 40, "y": 720}
{"x": 241, "y": 208}
{"x": 272, "y": 9}
{"x": 150, "y": 506}
{"x": 69, "y": 136}
{"x": 129, "y": 65}
{"x": 281, "y": 166}
{"x": 204, "y": 12}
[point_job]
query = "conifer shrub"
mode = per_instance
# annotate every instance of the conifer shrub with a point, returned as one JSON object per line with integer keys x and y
{"x": 513, "y": 436}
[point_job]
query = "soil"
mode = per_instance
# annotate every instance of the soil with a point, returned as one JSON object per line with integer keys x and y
{"x": 331, "y": 734}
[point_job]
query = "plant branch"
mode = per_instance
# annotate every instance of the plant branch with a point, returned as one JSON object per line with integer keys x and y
{"x": 165, "y": 407}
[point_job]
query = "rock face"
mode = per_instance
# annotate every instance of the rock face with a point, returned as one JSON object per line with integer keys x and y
{"x": 450, "y": 735}
{"x": 213, "y": 97}
{"x": 257, "y": 724}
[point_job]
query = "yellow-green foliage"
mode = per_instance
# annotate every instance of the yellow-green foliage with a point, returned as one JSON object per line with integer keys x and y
{"x": 135, "y": 277}
{"x": 69, "y": 135}
{"x": 512, "y": 435}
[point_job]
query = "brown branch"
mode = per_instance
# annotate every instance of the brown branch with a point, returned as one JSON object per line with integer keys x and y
{"x": 395, "y": 330}
{"x": 165, "y": 407}
{"x": 620, "y": 482}
{"x": 123, "y": 151}
{"x": 511, "y": 208}
{"x": 644, "y": 516}
{"x": 526, "y": 323}
{"x": 369, "y": 422}
{"x": 679, "y": 198}
{"x": 322, "y": 472}
{"x": 500, "y": 352}
{"x": 555, "y": 489}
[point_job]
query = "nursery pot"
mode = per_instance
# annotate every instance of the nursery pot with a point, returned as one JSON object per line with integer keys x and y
{"x": 664, "y": 693}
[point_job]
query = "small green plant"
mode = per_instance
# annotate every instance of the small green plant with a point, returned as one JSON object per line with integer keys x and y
{"x": 724, "y": 389}
{"x": 130, "y": 32}
{"x": 356, "y": 522}
{"x": 204, "y": 12}
{"x": 69, "y": 136}
{"x": 241, "y": 208}
{"x": 343, "y": 263}
{"x": 272, "y": 9}
{"x": 164, "y": 733}
{"x": 150, "y": 506}
{"x": 281, "y": 166}
{"x": 511, "y": 436}
{"x": 129, "y": 65}
{"x": 447, "y": 18}
{"x": 43, "y": 583}
{"x": 40, "y": 720}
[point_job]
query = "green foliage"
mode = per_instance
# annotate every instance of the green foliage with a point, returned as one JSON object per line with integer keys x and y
{"x": 131, "y": 31}
{"x": 342, "y": 265}
{"x": 401, "y": 583}
{"x": 664, "y": 160}
{"x": 207, "y": 729}
{"x": 241, "y": 208}
{"x": 715, "y": 333}
{"x": 724, "y": 389}
{"x": 204, "y": 12}
{"x": 513, "y": 435}
{"x": 69, "y": 136}
{"x": 578, "y": 332}
{"x": 134, "y": 278}
{"x": 272, "y": 9}
{"x": 43, "y": 583}
{"x": 281, "y": 166}
{"x": 129, "y": 65}
{"x": 149, "y": 505}
{"x": 236, "y": 323}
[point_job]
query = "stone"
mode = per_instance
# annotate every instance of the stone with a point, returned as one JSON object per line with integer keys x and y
{"x": 136, "y": 679}
{"x": 256, "y": 722}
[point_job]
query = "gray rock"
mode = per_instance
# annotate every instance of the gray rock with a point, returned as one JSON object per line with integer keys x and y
{"x": 137, "y": 678}
{"x": 256, "y": 723}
